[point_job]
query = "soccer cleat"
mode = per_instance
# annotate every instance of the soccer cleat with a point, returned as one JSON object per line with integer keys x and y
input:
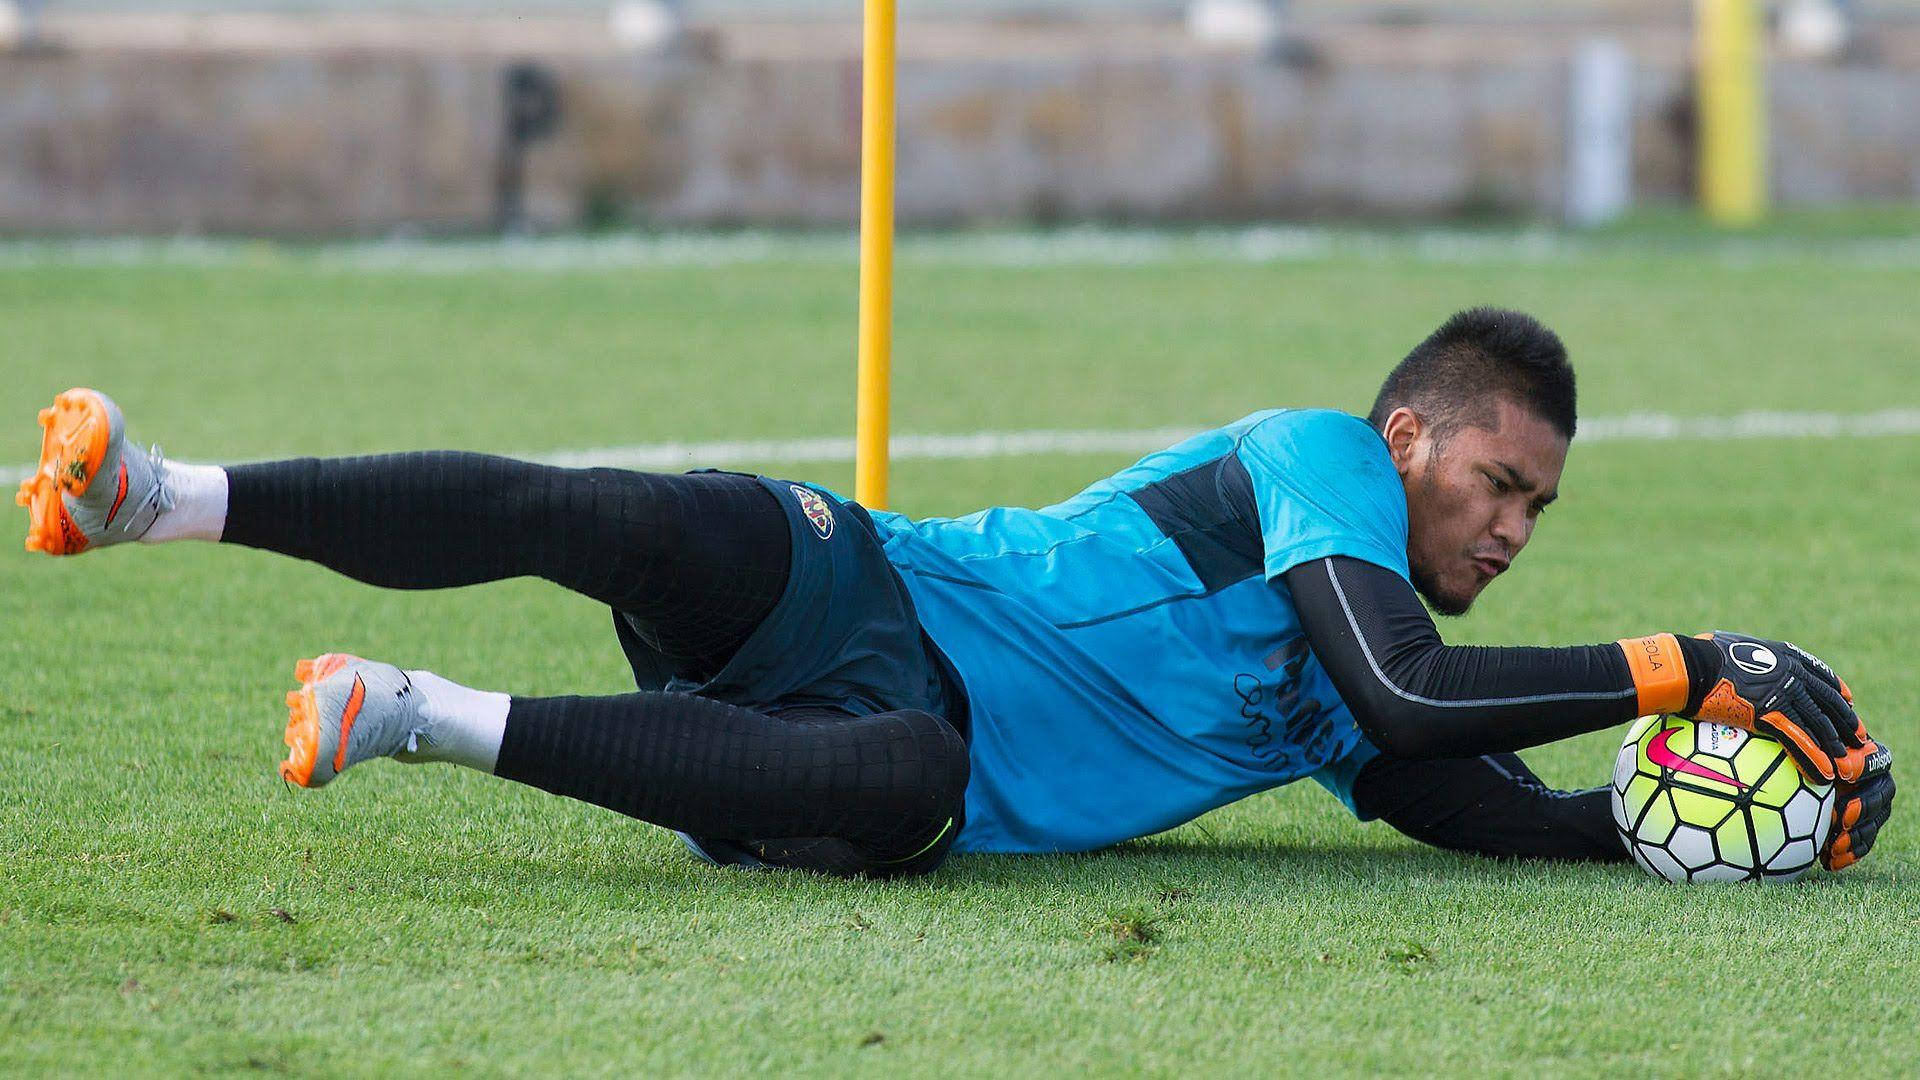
{"x": 346, "y": 711}
{"x": 91, "y": 488}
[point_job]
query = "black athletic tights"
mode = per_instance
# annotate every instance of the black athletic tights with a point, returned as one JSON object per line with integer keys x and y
{"x": 698, "y": 560}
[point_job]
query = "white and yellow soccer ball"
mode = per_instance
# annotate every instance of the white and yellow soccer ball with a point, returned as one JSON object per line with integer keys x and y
{"x": 1698, "y": 801}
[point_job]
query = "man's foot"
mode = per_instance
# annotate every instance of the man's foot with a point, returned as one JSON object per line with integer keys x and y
{"x": 346, "y": 711}
{"x": 91, "y": 488}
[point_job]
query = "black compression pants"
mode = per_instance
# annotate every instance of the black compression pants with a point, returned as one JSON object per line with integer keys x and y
{"x": 698, "y": 561}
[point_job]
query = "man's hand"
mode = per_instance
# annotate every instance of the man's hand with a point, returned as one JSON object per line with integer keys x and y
{"x": 1780, "y": 690}
{"x": 1859, "y": 809}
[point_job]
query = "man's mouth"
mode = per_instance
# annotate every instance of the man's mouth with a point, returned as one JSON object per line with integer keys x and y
{"x": 1491, "y": 567}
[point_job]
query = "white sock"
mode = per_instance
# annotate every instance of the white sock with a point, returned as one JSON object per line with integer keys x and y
{"x": 199, "y": 505}
{"x": 464, "y": 726}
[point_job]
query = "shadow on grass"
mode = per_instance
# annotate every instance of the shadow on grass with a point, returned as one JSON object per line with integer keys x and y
{"x": 1159, "y": 861}
{"x": 1151, "y": 866}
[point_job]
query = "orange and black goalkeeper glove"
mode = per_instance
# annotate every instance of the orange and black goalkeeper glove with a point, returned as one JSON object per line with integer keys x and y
{"x": 1772, "y": 687}
{"x": 1859, "y": 809}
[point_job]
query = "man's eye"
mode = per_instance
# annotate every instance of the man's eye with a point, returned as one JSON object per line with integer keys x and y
{"x": 1500, "y": 487}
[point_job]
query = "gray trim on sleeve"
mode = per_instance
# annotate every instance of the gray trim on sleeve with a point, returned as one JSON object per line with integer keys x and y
{"x": 1333, "y": 575}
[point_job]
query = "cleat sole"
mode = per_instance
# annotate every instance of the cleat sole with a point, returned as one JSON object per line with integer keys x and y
{"x": 73, "y": 444}
{"x": 302, "y": 738}
{"x": 303, "y": 719}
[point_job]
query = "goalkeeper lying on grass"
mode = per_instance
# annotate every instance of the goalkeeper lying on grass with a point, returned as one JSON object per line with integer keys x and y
{"x": 841, "y": 689}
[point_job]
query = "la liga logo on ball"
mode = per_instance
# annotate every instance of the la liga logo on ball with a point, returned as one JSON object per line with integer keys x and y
{"x": 1721, "y": 740}
{"x": 1698, "y": 801}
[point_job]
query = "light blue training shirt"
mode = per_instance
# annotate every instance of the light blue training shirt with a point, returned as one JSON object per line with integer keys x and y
{"x": 1132, "y": 656}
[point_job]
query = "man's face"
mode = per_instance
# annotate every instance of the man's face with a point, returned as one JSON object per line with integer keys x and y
{"x": 1473, "y": 497}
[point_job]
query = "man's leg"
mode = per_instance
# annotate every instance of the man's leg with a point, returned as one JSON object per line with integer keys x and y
{"x": 698, "y": 560}
{"x": 857, "y": 794}
{"x": 843, "y": 794}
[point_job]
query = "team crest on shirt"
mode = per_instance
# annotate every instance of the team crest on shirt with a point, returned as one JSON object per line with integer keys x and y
{"x": 819, "y": 514}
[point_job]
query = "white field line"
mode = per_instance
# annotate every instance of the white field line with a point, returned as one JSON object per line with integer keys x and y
{"x": 1085, "y": 246}
{"x": 980, "y": 444}
{"x": 1631, "y": 427}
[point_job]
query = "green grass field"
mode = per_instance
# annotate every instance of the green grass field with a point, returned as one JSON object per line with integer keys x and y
{"x": 167, "y": 905}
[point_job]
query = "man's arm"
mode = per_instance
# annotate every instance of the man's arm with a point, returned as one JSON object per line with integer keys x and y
{"x": 1420, "y": 699}
{"x": 1491, "y": 805}
{"x": 1417, "y": 697}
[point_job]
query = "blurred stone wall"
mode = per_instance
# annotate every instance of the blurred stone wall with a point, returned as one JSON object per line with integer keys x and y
{"x": 366, "y": 142}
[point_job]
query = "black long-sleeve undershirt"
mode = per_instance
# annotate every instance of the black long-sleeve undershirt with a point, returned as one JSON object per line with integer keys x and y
{"x": 1416, "y": 697}
{"x": 1490, "y": 805}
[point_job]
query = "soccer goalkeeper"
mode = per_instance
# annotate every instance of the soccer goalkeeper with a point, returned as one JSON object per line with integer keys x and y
{"x": 851, "y": 691}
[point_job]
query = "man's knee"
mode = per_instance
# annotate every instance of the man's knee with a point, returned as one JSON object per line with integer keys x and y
{"x": 908, "y": 824}
{"x": 910, "y": 832}
{"x": 903, "y": 773}
{"x": 945, "y": 762}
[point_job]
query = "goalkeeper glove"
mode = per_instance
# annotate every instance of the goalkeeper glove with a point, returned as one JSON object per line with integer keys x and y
{"x": 1859, "y": 809}
{"x": 1772, "y": 687}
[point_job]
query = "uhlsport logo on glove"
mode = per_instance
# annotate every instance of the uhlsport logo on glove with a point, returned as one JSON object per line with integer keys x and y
{"x": 1753, "y": 657}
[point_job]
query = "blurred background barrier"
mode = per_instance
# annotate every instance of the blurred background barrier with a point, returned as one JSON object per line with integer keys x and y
{"x": 340, "y": 118}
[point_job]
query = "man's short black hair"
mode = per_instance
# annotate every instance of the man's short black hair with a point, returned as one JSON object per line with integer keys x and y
{"x": 1456, "y": 376}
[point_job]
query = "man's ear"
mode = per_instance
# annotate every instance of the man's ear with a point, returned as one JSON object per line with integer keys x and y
{"x": 1403, "y": 432}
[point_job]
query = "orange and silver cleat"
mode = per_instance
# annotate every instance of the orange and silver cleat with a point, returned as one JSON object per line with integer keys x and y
{"x": 346, "y": 711}
{"x": 91, "y": 488}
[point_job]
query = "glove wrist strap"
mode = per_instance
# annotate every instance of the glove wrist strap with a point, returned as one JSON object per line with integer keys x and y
{"x": 1659, "y": 672}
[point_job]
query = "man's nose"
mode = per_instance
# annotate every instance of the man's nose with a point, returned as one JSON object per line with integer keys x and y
{"x": 1512, "y": 529}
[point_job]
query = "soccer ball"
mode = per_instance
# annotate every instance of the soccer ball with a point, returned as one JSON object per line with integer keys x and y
{"x": 1697, "y": 801}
